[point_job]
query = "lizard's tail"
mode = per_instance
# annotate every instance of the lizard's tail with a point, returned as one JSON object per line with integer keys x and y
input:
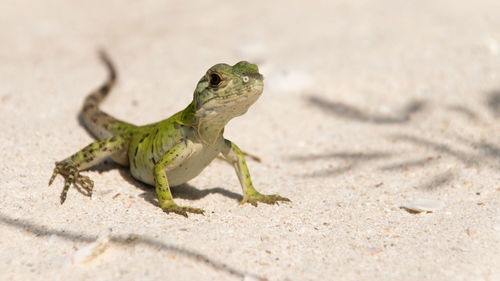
{"x": 95, "y": 98}
{"x": 98, "y": 122}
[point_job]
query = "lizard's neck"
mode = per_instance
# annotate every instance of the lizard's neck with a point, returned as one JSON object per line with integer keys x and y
{"x": 209, "y": 125}
{"x": 210, "y": 131}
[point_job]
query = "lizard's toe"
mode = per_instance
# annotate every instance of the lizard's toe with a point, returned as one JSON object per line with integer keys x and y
{"x": 267, "y": 199}
{"x": 195, "y": 210}
{"x": 181, "y": 210}
{"x": 177, "y": 211}
{"x": 275, "y": 198}
{"x": 85, "y": 183}
{"x": 54, "y": 175}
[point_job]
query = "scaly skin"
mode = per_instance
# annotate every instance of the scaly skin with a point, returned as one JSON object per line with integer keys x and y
{"x": 175, "y": 150}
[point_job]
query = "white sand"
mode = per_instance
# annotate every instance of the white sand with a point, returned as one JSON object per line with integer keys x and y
{"x": 368, "y": 105}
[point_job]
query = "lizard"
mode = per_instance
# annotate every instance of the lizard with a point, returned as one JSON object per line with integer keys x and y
{"x": 173, "y": 151}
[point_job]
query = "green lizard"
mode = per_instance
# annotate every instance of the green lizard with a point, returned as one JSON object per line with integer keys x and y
{"x": 175, "y": 150}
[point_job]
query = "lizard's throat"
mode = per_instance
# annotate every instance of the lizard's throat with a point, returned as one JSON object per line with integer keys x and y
{"x": 210, "y": 128}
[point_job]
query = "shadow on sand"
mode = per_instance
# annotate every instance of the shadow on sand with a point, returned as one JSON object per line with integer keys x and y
{"x": 350, "y": 112}
{"x": 129, "y": 240}
{"x": 477, "y": 153}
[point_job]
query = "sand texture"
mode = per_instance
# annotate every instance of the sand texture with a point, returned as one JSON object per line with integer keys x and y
{"x": 368, "y": 106}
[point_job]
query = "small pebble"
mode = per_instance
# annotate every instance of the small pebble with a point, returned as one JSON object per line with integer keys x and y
{"x": 373, "y": 251}
{"x": 423, "y": 205}
{"x": 471, "y": 231}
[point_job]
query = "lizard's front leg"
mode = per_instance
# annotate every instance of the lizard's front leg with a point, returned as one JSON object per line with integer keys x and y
{"x": 235, "y": 157}
{"x": 172, "y": 158}
{"x": 92, "y": 154}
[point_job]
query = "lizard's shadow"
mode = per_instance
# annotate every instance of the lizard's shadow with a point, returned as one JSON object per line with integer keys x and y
{"x": 184, "y": 191}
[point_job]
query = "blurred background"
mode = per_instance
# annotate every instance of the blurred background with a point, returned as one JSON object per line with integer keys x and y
{"x": 367, "y": 105}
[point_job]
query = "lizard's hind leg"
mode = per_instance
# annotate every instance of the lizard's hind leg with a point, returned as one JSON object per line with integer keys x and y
{"x": 90, "y": 155}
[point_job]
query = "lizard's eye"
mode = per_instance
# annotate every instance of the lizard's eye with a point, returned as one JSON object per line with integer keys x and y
{"x": 214, "y": 79}
{"x": 245, "y": 79}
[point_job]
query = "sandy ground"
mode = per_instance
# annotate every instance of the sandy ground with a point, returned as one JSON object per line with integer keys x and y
{"x": 368, "y": 105}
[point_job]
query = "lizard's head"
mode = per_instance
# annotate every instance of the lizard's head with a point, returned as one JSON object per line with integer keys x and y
{"x": 225, "y": 91}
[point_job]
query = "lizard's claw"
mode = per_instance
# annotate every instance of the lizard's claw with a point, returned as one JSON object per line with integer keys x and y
{"x": 54, "y": 175}
{"x": 181, "y": 210}
{"x": 268, "y": 199}
{"x": 71, "y": 175}
{"x": 85, "y": 183}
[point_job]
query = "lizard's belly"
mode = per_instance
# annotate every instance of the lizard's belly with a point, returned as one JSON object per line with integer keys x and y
{"x": 185, "y": 171}
{"x": 192, "y": 166}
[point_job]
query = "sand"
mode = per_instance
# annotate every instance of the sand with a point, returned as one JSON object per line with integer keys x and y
{"x": 368, "y": 105}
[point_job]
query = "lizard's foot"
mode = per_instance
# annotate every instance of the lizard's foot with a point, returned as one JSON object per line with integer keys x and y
{"x": 180, "y": 210}
{"x": 71, "y": 175}
{"x": 268, "y": 199}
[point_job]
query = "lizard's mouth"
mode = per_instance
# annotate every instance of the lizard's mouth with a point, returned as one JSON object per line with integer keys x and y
{"x": 222, "y": 100}
{"x": 229, "y": 106}
{"x": 227, "y": 98}
{"x": 207, "y": 104}
{"x": 237, "y": 98}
